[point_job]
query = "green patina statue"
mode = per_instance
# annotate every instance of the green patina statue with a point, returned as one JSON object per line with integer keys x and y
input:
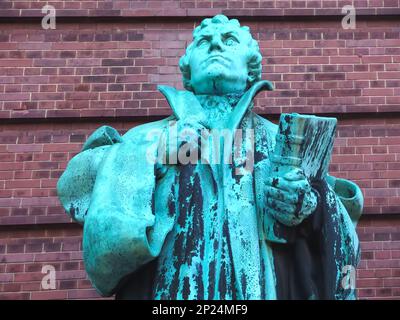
{"x": 215, "y": 202}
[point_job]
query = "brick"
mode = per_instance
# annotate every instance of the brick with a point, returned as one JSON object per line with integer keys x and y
{"x": 393, "y": 282}
{"x": 49, "y": 295}
{"x": 381, "y": 237}
{"x": 82, "y": 294}
{"x": 329, "y": 76}
{"x": 6, "y": 277}
{"x": 11, "y": 287}
{"x": 378, "y": 92}
{"x": 17, "y": 257}
{"x": 346, "y": 92}
{"x": 15, "y": 296}
{"x": 117, "y": 62}
{"x": 71, "y": 266}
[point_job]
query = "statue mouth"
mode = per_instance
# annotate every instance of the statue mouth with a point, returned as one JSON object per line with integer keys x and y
{"x": 218, "y": 58}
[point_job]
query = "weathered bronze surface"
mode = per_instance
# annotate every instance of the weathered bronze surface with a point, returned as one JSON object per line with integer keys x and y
{"x": 215, "y": 202}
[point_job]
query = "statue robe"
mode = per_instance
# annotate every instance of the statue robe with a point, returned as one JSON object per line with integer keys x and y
{"x": 202, "y": 231}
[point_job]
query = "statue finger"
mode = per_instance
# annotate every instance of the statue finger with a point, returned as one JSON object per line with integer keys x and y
{"x": 289, "y": 186}
{"x": 282, "y": 195}
{"x": 310, "y": 203}
{"x": 281, "y": 206}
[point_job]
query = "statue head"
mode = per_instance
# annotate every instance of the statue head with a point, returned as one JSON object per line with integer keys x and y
{"x": 223, "y": 58}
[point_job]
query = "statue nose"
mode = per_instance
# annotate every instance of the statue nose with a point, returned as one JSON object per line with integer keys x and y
{"x": 216, "y": 44}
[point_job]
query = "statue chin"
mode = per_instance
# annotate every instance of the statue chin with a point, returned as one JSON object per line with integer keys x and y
{"x": 219, "y": 84}
{"x": 217, "y": 78}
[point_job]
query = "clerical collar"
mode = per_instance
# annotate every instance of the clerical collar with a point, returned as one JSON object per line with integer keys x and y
{"x": 215, "y": 101}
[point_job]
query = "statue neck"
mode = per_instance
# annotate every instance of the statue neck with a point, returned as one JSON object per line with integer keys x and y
{"x": 217, "y": 101}
{"x": 218, "y": 107}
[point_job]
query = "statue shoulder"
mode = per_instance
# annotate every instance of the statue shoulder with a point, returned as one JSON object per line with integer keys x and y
{"x": 103, "y": 136}
{"x": 106, "y": 135}
{"x": 75, "y": 185}
{"x": 141, "y": 131}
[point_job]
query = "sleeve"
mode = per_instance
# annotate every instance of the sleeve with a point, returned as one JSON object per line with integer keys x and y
{"x": 350, "y": 196}
{"x": 111, "y": 188}
{"x": 75, "y": 186}
{"x": 129, "y": 217}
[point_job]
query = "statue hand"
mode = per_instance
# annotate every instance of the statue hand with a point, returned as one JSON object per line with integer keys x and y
{"x": 291, "y": 198}
{"x": 188, "y": 138}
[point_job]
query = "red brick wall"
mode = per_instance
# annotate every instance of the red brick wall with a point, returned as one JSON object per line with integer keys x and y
{"x": 179, "y": 8}
{"x": 57, "y": 86}
{"x": 111, "y": 69}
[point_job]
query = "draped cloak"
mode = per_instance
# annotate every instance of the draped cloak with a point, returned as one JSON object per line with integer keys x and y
{"x": 203, "y": 231}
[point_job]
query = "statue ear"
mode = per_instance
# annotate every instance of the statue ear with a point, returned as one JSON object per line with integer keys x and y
{"x": 188, "y": 85}
{"x": 251, "y": 77}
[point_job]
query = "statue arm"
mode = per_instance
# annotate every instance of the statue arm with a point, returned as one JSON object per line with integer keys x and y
{"x": 129, "y": 215}
{"x": 115, "y": 191}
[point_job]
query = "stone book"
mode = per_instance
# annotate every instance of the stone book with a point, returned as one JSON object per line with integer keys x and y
{"x": 306, "y": 142}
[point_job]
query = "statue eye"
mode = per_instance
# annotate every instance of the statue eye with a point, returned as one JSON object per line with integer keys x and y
{"x": 230, "y": 41}
{"x": 202, "y": 42}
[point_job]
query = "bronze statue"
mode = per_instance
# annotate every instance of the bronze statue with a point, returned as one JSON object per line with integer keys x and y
{"x": 254, "y": 216}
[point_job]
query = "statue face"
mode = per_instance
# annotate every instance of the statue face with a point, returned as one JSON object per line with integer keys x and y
{"x": 219, "y": 60}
